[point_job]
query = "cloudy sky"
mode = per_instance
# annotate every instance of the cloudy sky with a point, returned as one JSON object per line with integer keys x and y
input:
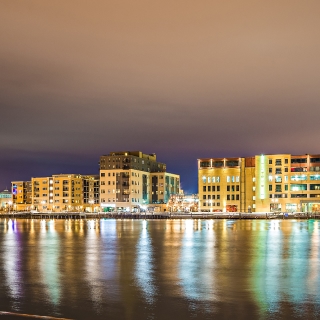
{"x": 184, "y": 79}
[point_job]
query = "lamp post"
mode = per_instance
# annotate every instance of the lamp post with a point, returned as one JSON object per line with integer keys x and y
{"x": 91, "y": 203}
{"x": 9, "y": 203}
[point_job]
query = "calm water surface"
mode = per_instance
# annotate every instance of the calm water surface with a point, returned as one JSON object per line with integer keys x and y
{"x": 178, "y": 269}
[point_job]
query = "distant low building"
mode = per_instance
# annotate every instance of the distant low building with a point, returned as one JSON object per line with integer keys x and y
{"x": 5, "y": 200}
{"x": 183, "y": 203}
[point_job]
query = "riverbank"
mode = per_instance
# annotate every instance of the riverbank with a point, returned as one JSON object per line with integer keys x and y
{"x": 162, "y": 215}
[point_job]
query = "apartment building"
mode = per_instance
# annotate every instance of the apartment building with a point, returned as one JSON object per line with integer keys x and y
{"x": 134, "y": 181}
{"x": 21, "y": 195}
{"x": 91, "y": 195}
{"x": 58, "y": 192}
{"x": 279, "y": 182}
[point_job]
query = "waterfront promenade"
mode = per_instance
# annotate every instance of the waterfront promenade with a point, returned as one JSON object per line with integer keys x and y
{"x": 162, "y": 215}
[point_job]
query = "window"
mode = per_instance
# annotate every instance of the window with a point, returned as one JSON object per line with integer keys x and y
{"x": 218, "y": 179}
{"x": 209, "y": 179}
{"x": 232, "y": 179}
{"x": 278, "y": 171}
{"x": 103, "y": 174}
{"x": 209, "y": 188}
{"x": 270, "y": 187}
{"x": 298, "y": 178}
{"x": 228, "y": 197}
{"x": 218, "y": 188}
{"x": 237, "y": 188}
{"x": 278, "y": 162}
{"x": 270, "y": 170}
{"x": 286, "y": 161}
{"x": 278, "y": 187}
{"x": 237, "y": 179}
{"x": 237, "y": 197}
{"x": 204, "y": 164}
{"x": 213, "y": 188}
{"x": 228, "y": 178}
{"x": 299, "y": 195}
{"x": 270, "y": 161}
{"x": 232, "y": 163}
{"x": 204, "y": 179}
{"x": 204, "y": 197}
{"x": 298, "y": 187}
{"x": 315, "y": 177}
{"x": 209, "y": 197}
{"x": 204, "y": 188}
{"x": 299, "y": 160}
{"x": 285, "y": 187}
{"x": 228, "y": 188}
{"x": 314, "y": 186}
{"x": 218, "y": 197}
{"x": 286, "y": 169}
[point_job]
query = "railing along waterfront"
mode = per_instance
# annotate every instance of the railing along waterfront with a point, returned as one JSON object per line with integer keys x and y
{"x": 161, "y": 215}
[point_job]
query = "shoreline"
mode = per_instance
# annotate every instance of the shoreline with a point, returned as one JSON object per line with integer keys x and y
{"x": 164, "y": 215}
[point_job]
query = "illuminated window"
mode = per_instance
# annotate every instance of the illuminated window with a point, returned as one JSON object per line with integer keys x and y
{"x": 228, "y": 178}
{"x": 298, "y": 178}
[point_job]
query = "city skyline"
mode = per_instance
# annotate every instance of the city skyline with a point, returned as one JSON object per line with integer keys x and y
{"x": 182, "y": 80}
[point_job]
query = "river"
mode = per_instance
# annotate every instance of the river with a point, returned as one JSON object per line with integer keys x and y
{"x": 160, "y": 269}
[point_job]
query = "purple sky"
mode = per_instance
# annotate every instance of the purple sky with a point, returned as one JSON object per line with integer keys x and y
{"x": 184, "y": 79}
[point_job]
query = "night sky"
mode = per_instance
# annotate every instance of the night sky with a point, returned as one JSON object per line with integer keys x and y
{"x": 183, "y": 79}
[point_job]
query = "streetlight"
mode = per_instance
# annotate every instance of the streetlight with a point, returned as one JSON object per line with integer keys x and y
{"x": 9, "y": 203}
{"x": 91, "y": 202}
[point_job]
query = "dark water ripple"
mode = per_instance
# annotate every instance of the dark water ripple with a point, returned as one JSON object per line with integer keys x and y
{"x": 182, "y": 269}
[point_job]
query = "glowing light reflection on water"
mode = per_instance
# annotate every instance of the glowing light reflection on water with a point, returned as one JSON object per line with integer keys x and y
{"x": 128, "y": 269}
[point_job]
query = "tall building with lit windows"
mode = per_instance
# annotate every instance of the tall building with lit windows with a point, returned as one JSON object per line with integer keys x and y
{"x": 263, "y": 183}
{"x": 21, "y": 195}
{"x": 132, "y": 180}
